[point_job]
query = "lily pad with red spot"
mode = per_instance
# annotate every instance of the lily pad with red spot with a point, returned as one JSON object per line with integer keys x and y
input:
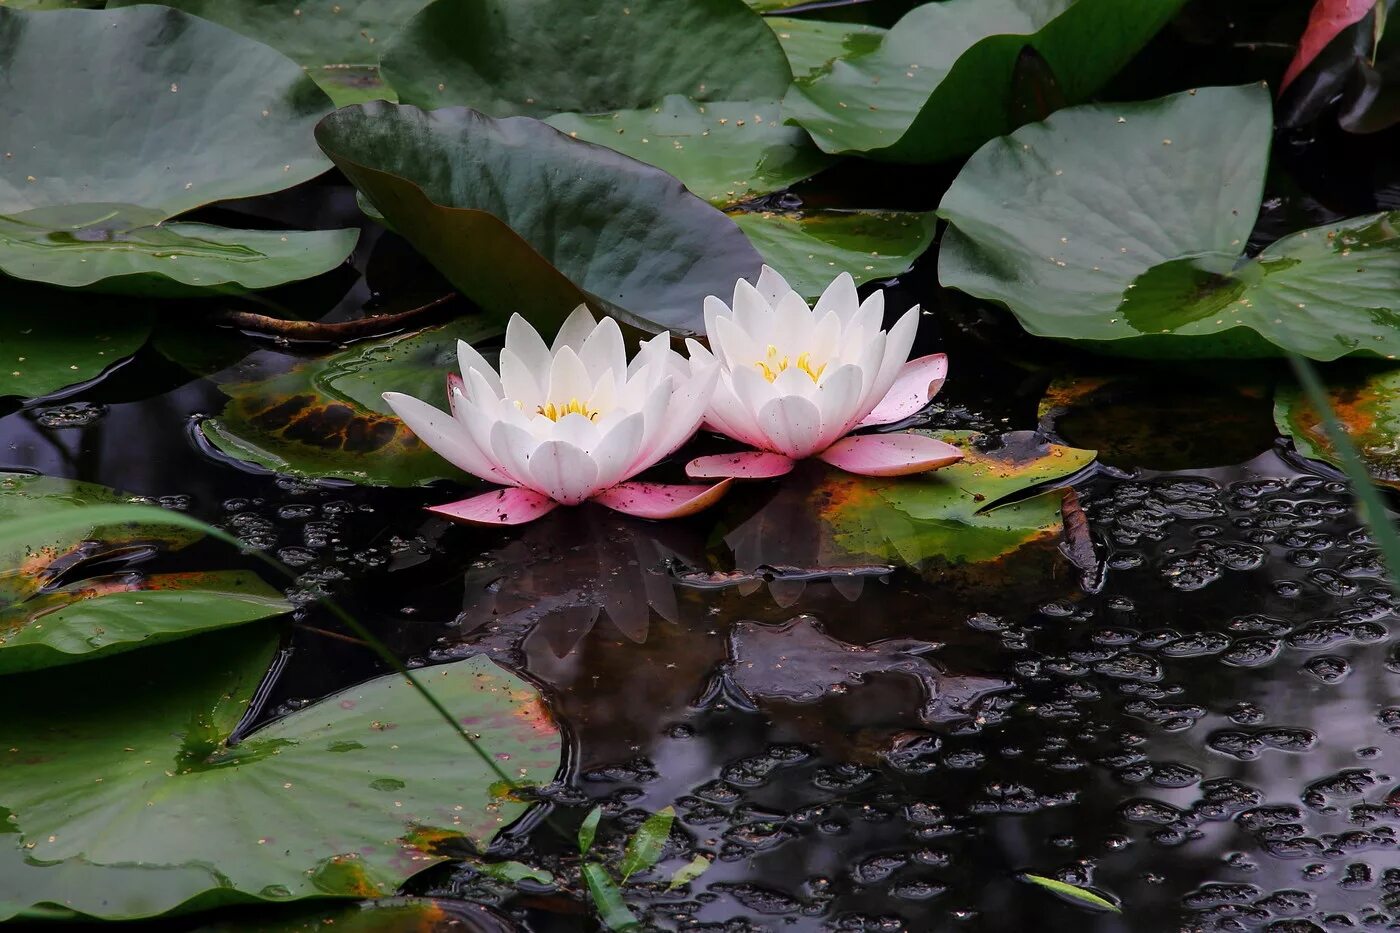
{"x": 325, "y": 418}
{"x": 139, "y": 769}
{"x": 1367, "y": 403}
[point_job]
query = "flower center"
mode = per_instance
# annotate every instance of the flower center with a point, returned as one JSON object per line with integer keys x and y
{"x": 574, "y": 407}
{"x": 772, "y": 364}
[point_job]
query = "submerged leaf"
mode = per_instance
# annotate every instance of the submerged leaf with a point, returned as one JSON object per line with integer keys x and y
{"x": 940, "y": 82}
{"x": 612, "y": 909}
{"x": 49, "y": 342}
{"x": 326, "y": 417}
{"x": 689, "y": 872}
{"x": 1366, "y": 404}
{"x": 91, "y": 94}
{"x": 345, "y": 798}
{"x": 481, "y": 199}
{"x": 588, "y": 830}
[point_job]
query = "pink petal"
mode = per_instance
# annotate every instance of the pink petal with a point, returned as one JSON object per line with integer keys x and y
{"x": 745, "y": 464}
{"x": 456, "y": 388}
{"x": 512, "y": 506}
{"x": 917, "y": 383}
{"x": 659, "y": 500}
{"x": 890, "y": 454}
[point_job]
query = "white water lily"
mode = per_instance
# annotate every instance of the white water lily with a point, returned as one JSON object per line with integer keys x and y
{"x": 794, "y": 381}
{"x": 562, "y": 424}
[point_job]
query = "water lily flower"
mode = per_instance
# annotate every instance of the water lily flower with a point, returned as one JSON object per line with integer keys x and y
{"x": 568, "y": 423}
{"x": 794, "y": 381}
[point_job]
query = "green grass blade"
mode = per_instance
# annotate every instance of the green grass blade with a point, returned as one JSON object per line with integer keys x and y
{"x": 607, "y": 896}
{"x": 1072, "y": 892}
{"x": 647, "y": 843}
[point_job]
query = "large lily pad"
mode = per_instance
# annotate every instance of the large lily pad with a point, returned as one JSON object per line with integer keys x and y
{"x": 690, "y": 86}
{"x": 520, "y": 217}
{"x": 90, "y": 95}
{"x": 50, "y": 346}
{"x": 1366, "y": 403}
{"x": 953, "y": 514}
{"x": 325, "y": 418}
{"x": 338, "y": 42}
{"x": 346, "y": 798}
{"x": 810, "y": 248}
{"x": 813, "y": 44}
{"x": 724, "y": 151}
{"x": 940, "y": 84}
{"x": 1124, "y": 226}
{"x": 47, "y": 619}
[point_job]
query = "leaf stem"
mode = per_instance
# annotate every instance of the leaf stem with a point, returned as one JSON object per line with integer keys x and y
{"x": 327, "y": 332}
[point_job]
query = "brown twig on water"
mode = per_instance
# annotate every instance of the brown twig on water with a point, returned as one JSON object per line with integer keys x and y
{"x": 330, "y": 332}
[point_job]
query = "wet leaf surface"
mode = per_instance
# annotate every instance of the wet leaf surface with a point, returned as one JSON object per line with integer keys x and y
{"x": 465, "y": 190}
{"x": 333, "y": 800}
{"x": 810, "y": 248}
{"x": 690, "y": 87}
{"x": 388, "y": 915}
{"x": 42, "y": 352}
{"x": 1367, "y": 404}
{"x": 1160, "y": 274}
{"x": 337, "y": 41}
{"x": 812, "y": 44}
{"x": 939, "y": 84}
{"x": 79, "y": 200}
{"x": 324, "y": 418}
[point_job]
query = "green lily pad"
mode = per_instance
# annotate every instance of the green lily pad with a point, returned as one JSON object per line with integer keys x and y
{"x": 348, "y": 797}
{"x": 43, "y": 625}
{"x": 325, "y": 418}
{"x": 1124, "y": 226}
{"x": 338, "y": 42}
{"x": 940, "y": 84}
{"x": 96, "y": 244}
{"x": 951, "y": 514}
{"x": 813, "y": 44}
{"x": 536, "y": 59}
{"x": 483, "y": 200}
{"x": 725, "y": 152}
{"x": 386, "y": 915}
{"x": 690, "y": 86}
{"x": 50, "y": 346}
{"x": 28, "y": 561}
{"x": 810, "y": 248}
{"x": 108, "y": 615}
{"x": 91, "y": 94}
{"x": 1367, "y": 404}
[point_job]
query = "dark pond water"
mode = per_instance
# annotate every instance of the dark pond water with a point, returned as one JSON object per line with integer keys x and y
{"x": 1204, "y": 727}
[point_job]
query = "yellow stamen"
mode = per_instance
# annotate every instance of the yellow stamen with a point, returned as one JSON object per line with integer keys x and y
{"x": 771, "y": 365}
{"x": 574, "y": 407}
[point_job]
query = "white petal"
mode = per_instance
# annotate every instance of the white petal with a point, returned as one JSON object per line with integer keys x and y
{"x": 793, "y": 324}
{"x": 604, "y": 397}
{"x": 468, "y": 360}
{"x": 793, "y": 381}
{"x": 740, "y": 349}
{"x": 575, "y": 429}
{"x": 753, "y": 314}
{"x": 684, "y": 412}
{"x": 651, "y": 360}
{"x": 511, "y": 446}
{"x": 445, "y": 435}
{"x": 603, "y": 349}
{"x": 520, "y": 382}
{"x": 753, "y": 392}
{"x": 527, "y": 345}
{"x": 793, "y": 426}
{"x": 617, "y": 450}
{"x": 772, "y": 286}
{"x": 871, "y": 355}
{"x": 825, "y": 342}
{"x": 575, "y": 330}
{"x": 898, "y": 343}
{"x": 480, "y": 387}
{"x": 563, "y": 472}
{"x": 568, "y": 379}
{"x": 714, "y": 308}
{"x": 839, "y": 298}
{"x": 728, "y": 415}
{"x": 838, "y": 398}
{"x": 872, "y": 310}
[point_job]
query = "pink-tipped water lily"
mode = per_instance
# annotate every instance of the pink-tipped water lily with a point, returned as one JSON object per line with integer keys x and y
{"x": 794, "y": 381}
{"x": 566, "y": 424}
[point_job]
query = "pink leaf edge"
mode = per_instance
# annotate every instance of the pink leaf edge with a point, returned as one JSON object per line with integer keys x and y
{"x": 890, "y": 454}
{"x": 745, "y": 464}
{"x": 917, "y": 383}
{"x": 511, "y": 506}
{"x": 1325, "y": 23}
{"x": 661, "y": 500}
